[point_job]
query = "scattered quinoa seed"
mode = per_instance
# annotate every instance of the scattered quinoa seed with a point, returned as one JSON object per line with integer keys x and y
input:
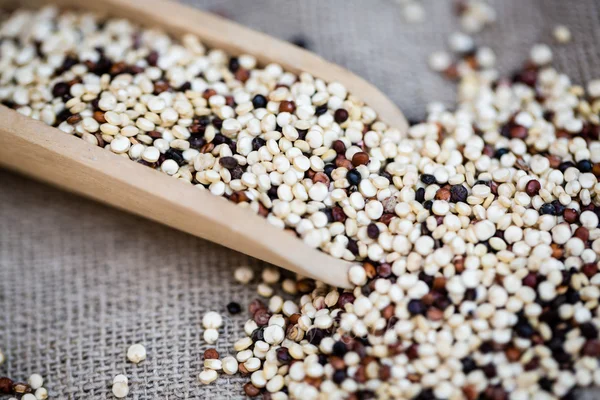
{"x": 211, "y": 354}
{"x": 234, "y": 308}
{"x": 562, "y": 34}
{"x": 41, "y": 394}
{"x": 120, "y": 389}
{"x": 208, "y": 376}
{"x": 211, "y": 336}
{"x": 212, "y": 320}
{"x": 244, "y": 274}
{"x": 35, "y": 381}
{"x": 136, "y": 353}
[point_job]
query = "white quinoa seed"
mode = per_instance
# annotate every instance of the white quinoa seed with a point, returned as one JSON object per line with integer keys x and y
{"x": 169, "y": 167}
{"x": 136, "y": 353}
{"x": 460, "y": 42}
{"x": 439, "y": 61}
{"x": 211, "y": 336}
{"x": 208, "y": 376}
{"x": 230, "y": 365}
{"x": 541, "y": 54}
{"x": 213, "y": 364}
{"x": 120, "y": 390}
{"x": 413, "y": 12}
{"x": 41, "y": 394}
{"x": 562, "y": 34}
{"x": 35, "y": 381}
{"x": 212, "y": 320}
{"x": 593, "y": 88}
{"x": 243, "y": 274}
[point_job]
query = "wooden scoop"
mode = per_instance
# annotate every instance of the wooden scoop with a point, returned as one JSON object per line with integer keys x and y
{"x": 32, "y": 148}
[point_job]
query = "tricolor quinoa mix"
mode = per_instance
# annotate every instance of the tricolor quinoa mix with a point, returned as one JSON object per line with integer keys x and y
{"x": 474, "y": 235}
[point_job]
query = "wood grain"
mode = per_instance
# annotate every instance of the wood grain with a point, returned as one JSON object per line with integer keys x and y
{"x": 32, "y": 148}
{"x": 49, "y": 155}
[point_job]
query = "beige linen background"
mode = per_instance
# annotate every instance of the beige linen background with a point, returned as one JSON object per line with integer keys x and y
{"x": 80, "y": 282}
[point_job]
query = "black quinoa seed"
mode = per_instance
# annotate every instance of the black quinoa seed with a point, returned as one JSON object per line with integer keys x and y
{"x": 196, "y": 142}
{"x": 420, "y": 195}
{"x": 339, "y": 376}
{"x": 69, "y": 62}
{"x": 329, "y": 213}
{"x": 234, "y": 308}
{"x": 60, "y": 89}
{"x": 234, "y": 64}
{"x": 366, "y": 290}
{"x": 468, "y": 365}
{"x": 185, "y": 87}
{"x": 416, "y": 307}
{"x": 559, "y": 209}
{"x": 329, "y": 168}
{"x": 237, "y": 172}
{"x": 428, "y": 179}
{"x": 470, "y": 294}
{"x": 352, "y": 246}
{"x": 315, "y": 335}
{"x": 102, "y": 66}
{"x": 428, "y": 279}
{"x": 320, "y": 110}
{"x": 489, "y": 371}
{"x": 500, "y": 152}
{"x": 258, "y": 334}
{"x": 259, "y": 101}
{"x": 228, "y": 162}
{"x": 585, "y": 166}
{"x": 354, "y": 177}
{"x": 372, "y": 231}
{"x": 524, "y": 329}
{"x": 546, "y": 384}
{"x": 219, "y": 139}
{"x": 176, "y": 156}
{"x": 547, "y": 209}
{"x": 565, "y": 165}
{"x": 62, "y": 115}
{"x": 283, "y": 355}
{"x": 272, "y": 192}
{"x": 458, "y": 193}
{"x": 217, "y": 123}
{"x": 339, "y": 349}
{"x": 257, "y": 143}
{"x": 589, "y": 331}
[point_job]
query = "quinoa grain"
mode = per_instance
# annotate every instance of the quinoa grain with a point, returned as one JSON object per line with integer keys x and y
{"x": 474, "y": 236}
{"x": 136, "y": 353}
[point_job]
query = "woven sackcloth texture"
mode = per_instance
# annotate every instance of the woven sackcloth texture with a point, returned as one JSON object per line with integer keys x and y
{"x": 80, "y": 282}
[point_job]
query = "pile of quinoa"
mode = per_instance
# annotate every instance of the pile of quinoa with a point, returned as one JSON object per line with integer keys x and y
{"x": 474, "y": 236}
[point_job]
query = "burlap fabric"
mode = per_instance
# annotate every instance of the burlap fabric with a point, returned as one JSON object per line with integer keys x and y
{"x": 80, "y": 282}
